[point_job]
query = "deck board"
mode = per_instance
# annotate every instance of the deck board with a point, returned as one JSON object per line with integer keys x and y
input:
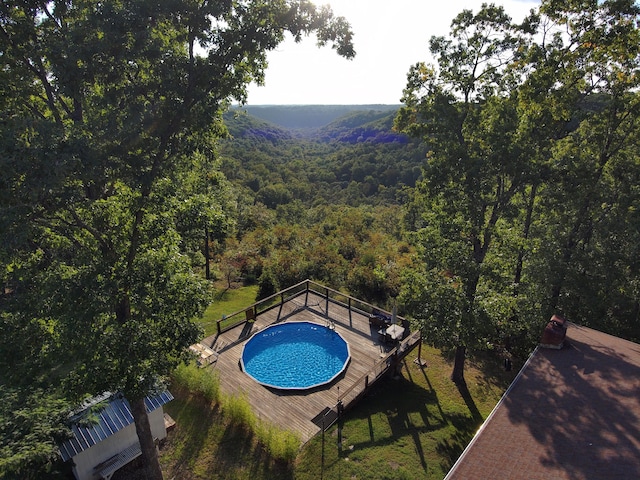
{"x": 295, "y": 410}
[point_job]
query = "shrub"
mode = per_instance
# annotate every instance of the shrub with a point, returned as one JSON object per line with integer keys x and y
{"x": 281, "y": 444}
{"x": 238, "y": 408}
{"x": 198, "y": 381}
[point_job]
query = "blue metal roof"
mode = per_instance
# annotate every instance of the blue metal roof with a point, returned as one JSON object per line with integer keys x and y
{"x": 114, "y": 416}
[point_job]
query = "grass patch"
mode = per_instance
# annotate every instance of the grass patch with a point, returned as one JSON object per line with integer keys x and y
{"x": 412, "y": 427}
{"x": 225, "y": 302}
{"x": 218, "y": 436}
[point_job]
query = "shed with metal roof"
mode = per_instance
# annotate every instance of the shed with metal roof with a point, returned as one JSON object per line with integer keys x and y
{"x": 104, "y": 436}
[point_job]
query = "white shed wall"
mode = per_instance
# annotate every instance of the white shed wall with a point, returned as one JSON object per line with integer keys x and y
{"x": 86, "y": 461}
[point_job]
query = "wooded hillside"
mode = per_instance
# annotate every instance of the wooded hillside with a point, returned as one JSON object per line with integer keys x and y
{"x": 503, "y": 190}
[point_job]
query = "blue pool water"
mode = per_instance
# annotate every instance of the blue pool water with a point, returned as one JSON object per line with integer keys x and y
{"x": 296, "y": 355}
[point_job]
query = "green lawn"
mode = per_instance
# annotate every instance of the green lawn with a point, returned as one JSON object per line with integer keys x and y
{"x": 225, "y": 302}
{"x": 410, "y": 427}
{"x": 413, "y": 427}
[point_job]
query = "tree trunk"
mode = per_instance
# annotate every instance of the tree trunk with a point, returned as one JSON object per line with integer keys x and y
{"x": 458, "y": 365}
{"x": 206, "y": 254}
{"x": 517, "y": 276}
{"x": 147, "y": 446}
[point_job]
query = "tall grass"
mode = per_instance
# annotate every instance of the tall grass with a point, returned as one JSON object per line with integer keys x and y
{"x": 198, "y": 381}
{"x": 281, "y": 444}
{"x": 238, "y": 409}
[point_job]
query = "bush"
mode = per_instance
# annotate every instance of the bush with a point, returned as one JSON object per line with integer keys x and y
{"x": 267, "y": 285}
{"x": 238, "y": 408}
{"x": 281, "y": 444}
{"x": 198, "y": 381}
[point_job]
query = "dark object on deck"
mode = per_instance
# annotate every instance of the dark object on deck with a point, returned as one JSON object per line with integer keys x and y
{"x": 407, "y": 328}
{"x": 379, "y": 319}
{"x": 554, "y": 333}
{"x": 325, "y": 418}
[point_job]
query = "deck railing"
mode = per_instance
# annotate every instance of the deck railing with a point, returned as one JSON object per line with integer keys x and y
{"x": 280, "y": 299}
{"x": 391, "y": 359}
{"x": 328, "y": 297}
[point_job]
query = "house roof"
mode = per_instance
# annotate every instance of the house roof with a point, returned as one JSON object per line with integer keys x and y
{"x": 572, "y": 413}
{"x": 114, "y": 416}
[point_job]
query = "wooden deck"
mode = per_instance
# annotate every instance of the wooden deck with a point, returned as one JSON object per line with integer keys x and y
{"x": 302, "y": 411}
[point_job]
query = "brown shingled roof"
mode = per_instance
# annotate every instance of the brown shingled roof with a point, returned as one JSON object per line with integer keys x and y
{"x": 571, "y": 414}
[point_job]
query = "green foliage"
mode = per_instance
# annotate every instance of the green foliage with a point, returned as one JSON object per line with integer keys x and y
{"x": 357, "y": 249}
{"x": 267, "y": 285}
{"x": 239, "y": 410}
{"x": 594, "y": 98}
{"x": 31, "y": 424}
{"x": 110, "y": 116}
{"x": 345, "y": 161}
{"x": 473, "y": 172}
{"x": 511, "y": 217}
{"x": 199, "y": 381}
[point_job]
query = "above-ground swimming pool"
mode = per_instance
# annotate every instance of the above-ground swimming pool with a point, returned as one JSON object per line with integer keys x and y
{"x": 296, "y": 355}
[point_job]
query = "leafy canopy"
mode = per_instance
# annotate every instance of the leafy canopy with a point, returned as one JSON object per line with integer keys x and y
{"x": 106, "y": 109}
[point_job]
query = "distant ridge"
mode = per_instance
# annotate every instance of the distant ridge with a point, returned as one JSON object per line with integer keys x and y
{"x": 308, "y": 116}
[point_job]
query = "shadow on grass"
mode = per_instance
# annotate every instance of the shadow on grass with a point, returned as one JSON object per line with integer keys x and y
{"x": 193, "y": 421}
{"x": 468, "y": 400}
{"x": 407, "y": 415}
{"x": 221, "y": 294}
{"x": 239, "y": 450}
{"x": 451, "y": 447}
{"x": 205, "y": 445}
{"x": 465, "y": 427}
{"x": 423, "y": 370}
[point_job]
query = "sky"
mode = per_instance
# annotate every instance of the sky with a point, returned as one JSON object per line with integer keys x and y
{"x": 389, "y": 37}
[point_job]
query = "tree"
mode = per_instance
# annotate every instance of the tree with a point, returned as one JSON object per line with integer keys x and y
{"x": 27, "y": 415}
{"x": 527, "y": 195}
{"x": 464, "y": 112}
{"x": 104, "y": 106}
{"x": 585, "y": 78}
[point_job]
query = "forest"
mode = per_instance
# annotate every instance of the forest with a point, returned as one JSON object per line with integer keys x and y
{"x": 504, "y": 189}
{"x": 347, "y": 198}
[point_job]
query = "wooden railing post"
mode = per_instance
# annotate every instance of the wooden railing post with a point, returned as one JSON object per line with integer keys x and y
{"x": 281, "y": 305}
{"x": 326, "y": 298}
{"x": 306, "y": 295}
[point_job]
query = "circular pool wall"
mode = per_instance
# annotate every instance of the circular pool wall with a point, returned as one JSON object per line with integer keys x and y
{"x": 295, "y": 356}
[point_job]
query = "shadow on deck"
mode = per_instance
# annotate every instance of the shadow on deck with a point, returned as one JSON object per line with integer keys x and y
{"x": 307, "y": 412}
